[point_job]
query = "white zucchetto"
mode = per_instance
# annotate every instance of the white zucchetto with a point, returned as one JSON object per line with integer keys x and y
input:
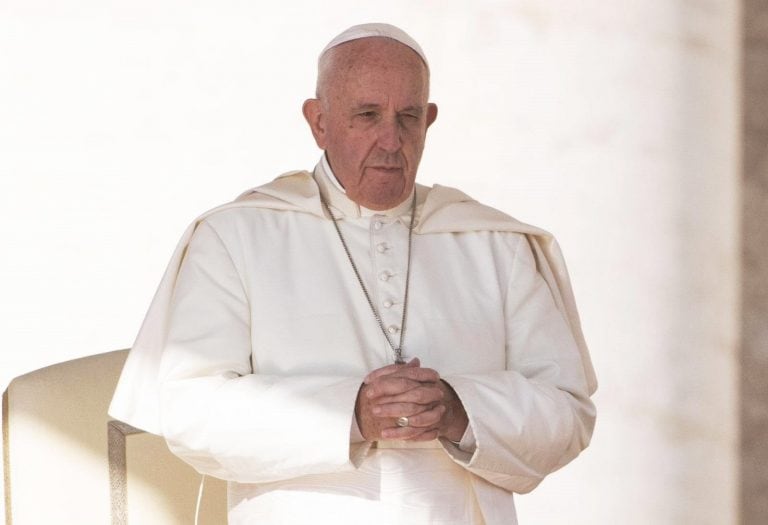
{"x": 376, "y": 30}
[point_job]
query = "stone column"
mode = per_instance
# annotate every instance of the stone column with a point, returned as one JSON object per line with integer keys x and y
{"x": 754, "y": 364}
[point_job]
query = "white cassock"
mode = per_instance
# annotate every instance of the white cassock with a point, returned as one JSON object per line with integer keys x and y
{"x": 253, "y": 351}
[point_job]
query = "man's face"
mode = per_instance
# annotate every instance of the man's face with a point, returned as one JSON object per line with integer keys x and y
{"x": 372, "y": 119}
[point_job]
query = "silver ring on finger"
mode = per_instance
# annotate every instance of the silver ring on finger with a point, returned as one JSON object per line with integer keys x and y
{"x": 402, "y": 421}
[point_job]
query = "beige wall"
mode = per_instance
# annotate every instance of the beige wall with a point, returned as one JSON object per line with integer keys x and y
{"x": 615, "y": 125}
{"x": 650, "y": 221}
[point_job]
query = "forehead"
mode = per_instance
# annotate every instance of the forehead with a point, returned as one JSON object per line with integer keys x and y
{"x": 379, "y": 66}
{"x": 381, "y": 51}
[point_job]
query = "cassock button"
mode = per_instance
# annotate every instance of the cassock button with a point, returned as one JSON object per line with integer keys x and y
{"x": 388, "y": 304}
{"x": 377, "y": 225}
{"x": 381, "y": 247}
{"x": 384, "y": 276}
{"x": 392, "y": 329}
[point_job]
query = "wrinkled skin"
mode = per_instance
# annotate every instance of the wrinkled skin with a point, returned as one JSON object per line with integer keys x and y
{"x": 432, "y": 407}
{"x": 371, "y": 118}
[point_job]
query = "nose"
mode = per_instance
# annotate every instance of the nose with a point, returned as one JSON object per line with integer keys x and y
{"x": 389, "y": 138}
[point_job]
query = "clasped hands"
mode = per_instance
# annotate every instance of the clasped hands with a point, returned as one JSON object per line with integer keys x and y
{"x": 432, "y": 407}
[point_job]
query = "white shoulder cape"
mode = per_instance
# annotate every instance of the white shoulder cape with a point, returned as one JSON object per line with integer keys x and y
{"x": 445, "y": 210}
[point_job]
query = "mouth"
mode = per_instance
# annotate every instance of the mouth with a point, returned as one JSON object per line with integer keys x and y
{"x": 387, "y": 169}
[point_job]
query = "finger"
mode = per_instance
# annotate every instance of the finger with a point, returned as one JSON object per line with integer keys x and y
{"x": 428, "y": 418}
{"x": 390, "y": 386}
{"x": 395, "y": 410}
{"x": 400, "y": 383}
{"x": 422, "y": 395}
{"x": 389, "y": 369}
{"x": 425, "y": 375}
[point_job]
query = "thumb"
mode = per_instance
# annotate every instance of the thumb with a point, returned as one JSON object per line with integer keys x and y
{"x": 414, "y": 363}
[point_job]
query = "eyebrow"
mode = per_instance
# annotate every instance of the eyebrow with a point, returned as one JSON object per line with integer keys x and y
{"x": 412, "y": 109}
{"x": 372, "y": 105}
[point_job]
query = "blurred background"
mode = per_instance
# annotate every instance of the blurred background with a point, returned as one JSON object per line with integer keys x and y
{"x": 637, "y": 132}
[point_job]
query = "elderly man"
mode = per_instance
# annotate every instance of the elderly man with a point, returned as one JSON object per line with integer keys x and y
{"x": 346, "y": 345}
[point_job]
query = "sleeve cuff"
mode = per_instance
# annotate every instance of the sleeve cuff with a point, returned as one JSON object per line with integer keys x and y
{"x": 468, "y": 442}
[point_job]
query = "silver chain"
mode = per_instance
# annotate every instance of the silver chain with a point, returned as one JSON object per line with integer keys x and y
{"x": 398, "y": 350}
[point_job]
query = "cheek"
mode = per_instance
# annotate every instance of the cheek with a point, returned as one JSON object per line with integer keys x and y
{"x": 354, "y": 154}
{"x": 414, "y": 147}
{"x": 360, "y": 147}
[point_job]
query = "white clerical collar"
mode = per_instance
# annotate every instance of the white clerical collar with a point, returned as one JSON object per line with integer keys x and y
{"x": 334, "y": 193}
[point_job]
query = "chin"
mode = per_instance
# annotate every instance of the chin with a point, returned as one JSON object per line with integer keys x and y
{"x": 385, "y": 204}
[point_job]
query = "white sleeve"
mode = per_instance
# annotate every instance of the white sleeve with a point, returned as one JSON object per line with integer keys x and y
{"x": 535, "y": 416}
{"x": 226, "y": 419}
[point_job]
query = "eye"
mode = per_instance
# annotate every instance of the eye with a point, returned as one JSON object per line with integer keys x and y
{"x": 408, "y": 118}
{"x": 367, "y": 114}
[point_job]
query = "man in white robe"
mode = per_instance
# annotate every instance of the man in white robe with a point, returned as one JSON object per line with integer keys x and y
{"x": 266, "y": 362}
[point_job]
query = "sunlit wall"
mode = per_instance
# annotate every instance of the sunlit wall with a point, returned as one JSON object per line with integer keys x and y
{"x": 612, "y": 124}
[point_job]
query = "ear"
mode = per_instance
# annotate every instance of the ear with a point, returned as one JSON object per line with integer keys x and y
{"x": 431, "y": 113}
{"x": 313, "y": 113}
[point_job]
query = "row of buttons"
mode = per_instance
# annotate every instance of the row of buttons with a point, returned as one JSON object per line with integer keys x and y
{"x": 385, "y": 275}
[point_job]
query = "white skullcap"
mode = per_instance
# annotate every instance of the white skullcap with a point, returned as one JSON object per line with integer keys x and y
{"x": 380, "y": 30}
